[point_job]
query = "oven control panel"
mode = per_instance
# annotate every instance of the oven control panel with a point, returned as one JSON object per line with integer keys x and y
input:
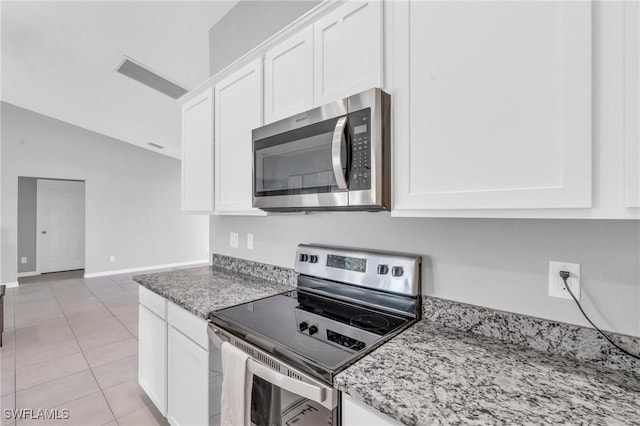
{"x": 345, "y": 341}
{"x": 335, "y": 333}
{"x": 379, "y": 270}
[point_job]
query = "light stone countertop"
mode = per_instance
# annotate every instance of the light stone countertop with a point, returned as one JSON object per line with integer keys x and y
{"x": 435, "y": 375}
{"x": 208, "y": 288}
{"x": 432, "y": 375}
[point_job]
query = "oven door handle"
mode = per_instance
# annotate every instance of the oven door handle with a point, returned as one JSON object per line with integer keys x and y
{"x": 215, "y": 337}
{"x": 295, "y": 386}
{"x": 336, "y": 152}
{"x": 309, "y": 391}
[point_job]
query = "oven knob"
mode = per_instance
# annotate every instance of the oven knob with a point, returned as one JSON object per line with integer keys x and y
{"x": 313, "y": 259}
{"x": 397, "y": 271}
{"x": 303, "y": 257}
{"x": 303, "y": 326}
{"x": 383, "y": 269}
{"x": 358, "y": 346}
{"x": 313, "y": 330}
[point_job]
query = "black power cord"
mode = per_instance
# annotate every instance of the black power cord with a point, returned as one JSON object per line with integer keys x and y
{"x": 565, "y": 276}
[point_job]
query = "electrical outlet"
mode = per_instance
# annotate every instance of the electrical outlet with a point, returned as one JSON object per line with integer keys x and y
{"x": 23, "y": 260}
{"x": 112, "y": 258}
{"x": 233, "y": 239}
{"x": 250, "y": 241}
{"x": 556, "y": 284}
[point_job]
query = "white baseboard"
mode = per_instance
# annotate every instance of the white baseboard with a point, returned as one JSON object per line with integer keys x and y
{"x": 28, "y": 274}
{"x": 145, "y": 268}
{"x": 10, "y": 285}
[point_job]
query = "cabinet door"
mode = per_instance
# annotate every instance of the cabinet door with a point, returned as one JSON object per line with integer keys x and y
{"x": 348, "y": 51}
{"x": 152, "y": 357}
{"x": 188, "y": 381}
{"x": 197, "y": 153}
{"x": 632, "y": 103}
{"x": 492, "y": 105}
{"x": 355, "y": 413}
{"x": 288, "y": 77}
{"x": 238, "y": 111}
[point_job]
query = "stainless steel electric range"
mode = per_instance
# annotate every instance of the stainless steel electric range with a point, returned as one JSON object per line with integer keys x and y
{"x": 347, "y": 303}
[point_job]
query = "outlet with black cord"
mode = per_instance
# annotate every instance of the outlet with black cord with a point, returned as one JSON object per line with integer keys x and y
{"x": 565, "y": 277}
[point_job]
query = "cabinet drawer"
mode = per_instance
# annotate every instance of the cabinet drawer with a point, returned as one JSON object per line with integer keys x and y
{"x": 190, "y": 325}
{"x": 154, "y": 302}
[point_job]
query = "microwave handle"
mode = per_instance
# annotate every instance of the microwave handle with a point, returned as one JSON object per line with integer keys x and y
{"x": 336, "y": 152}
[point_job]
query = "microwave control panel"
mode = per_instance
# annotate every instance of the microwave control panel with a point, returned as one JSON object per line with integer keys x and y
{"x": 360, "y": 134}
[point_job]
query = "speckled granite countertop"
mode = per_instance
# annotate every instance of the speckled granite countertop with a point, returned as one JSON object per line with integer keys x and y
{"x": 209, "y": 288}
{"x": 432, "y": 375}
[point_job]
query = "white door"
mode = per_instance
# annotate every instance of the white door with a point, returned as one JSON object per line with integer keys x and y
{"x": 288, "y": 77}
{"x": 348, "y": 51}
{"x": 197, "y": 153}
{"x": 60, "y": 219}
{"x": 238, "y": 111}
{"x": 187, "y": 381}
{"x": 492, "y": 105}
{"x": 152, "y": 357}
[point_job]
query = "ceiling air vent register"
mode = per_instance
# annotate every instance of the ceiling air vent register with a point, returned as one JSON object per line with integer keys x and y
{"x": 146, "y": 76}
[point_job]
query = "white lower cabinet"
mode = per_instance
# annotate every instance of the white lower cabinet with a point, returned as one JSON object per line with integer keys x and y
{"x": 152, "y": 357}
{"x": 177, "y": 367}
{"x": 188, "y": 387}
{"x": 356, "y": 413}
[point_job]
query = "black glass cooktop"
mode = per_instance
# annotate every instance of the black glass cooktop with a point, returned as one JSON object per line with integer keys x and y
{"x": 276, "y": 319}
{"x": 367, "y": 319}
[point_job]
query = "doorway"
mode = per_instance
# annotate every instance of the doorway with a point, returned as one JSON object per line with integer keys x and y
{"x": 51, "y": 225}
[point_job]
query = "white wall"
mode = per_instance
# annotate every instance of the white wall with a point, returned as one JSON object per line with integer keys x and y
{"x": 498, "y": 263}
{"x": 132, "y": 194}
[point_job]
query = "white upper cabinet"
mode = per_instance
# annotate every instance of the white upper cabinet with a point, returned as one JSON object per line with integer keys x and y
{"x": 197, "y": 153}
{"x": 288, "y": 77}
{"x": 632, "y": 103}
{"x": 347, "y": 51}
{"x": 492, "y": 106}
{"x": 238, "y": 110}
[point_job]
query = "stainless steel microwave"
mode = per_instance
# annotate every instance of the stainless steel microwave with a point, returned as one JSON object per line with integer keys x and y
{"x": 334, "y": 157}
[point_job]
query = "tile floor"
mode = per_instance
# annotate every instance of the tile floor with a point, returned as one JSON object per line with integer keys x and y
{"x": 72, "y": 343}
